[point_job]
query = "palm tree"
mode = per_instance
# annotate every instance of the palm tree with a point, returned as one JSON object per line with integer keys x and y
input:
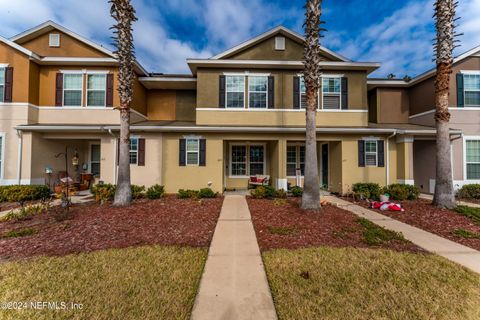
{"x": 445, "y": 43}
{"x": 312, "y": 77}
{"x": 124, "y": 14}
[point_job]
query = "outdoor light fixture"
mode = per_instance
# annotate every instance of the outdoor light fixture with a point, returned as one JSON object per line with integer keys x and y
{"x": 75, "y": 158}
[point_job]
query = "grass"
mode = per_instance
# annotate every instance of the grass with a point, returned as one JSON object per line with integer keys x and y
{"x": 469, "y": 212}
{"x": 149, "y": 282}
{"x": 284, "y": 231}
{"x": 349, "y": 283}
{"x": 374, "y": 235}
{"x": 466, "y": 234}
{"x": 19, "y": 233}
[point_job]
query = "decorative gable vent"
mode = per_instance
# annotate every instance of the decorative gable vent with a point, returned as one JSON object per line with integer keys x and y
{"x": 54, "y": 40}
{"x": 279, "y": 43}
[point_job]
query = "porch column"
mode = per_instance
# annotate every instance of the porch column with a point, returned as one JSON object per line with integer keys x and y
{"x": 281, "y": 159}
{"x": 405, "y": 159}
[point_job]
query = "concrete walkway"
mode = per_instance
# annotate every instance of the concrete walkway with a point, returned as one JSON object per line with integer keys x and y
{"x": 459, "y": 203}
{"x": 234, "y": 284}
{"x": 453, "y": 251}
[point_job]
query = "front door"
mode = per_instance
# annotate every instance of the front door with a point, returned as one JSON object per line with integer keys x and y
{"x": 324, "y": 171}
{"x": 95, "y": 159}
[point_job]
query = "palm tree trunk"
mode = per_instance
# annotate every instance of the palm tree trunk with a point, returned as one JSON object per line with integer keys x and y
{"x": 123, "y": 192}
{"x": 445, "y": 14}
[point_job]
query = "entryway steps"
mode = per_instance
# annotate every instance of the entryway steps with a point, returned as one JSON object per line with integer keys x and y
{"x": 451, "y": 250}
{"x": 234, "y": 284}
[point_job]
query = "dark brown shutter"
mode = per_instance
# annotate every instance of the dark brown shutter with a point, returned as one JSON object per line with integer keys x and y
{"x": 8, "y": 97}
{"x": 141, "y": 152}
{"x": 361, "y": 153}
{"x": 203, "y": 153}
{"x": 59, "y": 90}
{"x": 344, "y": 93}
{"x": 296, "y": 92}
{"x": 460, "y": 92}
{"x": 109, "y": 102}
{"x": 221, "y": 92}
{"x": 182, "y": 152}
{"x": 271, "y": 92}
{"x": 380, "y": 153}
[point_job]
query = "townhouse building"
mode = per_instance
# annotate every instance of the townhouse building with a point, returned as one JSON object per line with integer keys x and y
{"x": 235, "y": 115}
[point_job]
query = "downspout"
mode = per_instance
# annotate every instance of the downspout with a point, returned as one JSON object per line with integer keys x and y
{"x": 387, "y": 160}
{"x": 19, "y": 160}
{"x": 114, "y": 155}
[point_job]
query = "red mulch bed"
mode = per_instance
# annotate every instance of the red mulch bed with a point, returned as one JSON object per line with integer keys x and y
{"x": 332, "y": 226}
{"x": 168, "y": 221}
{"x": 420, "y": 213}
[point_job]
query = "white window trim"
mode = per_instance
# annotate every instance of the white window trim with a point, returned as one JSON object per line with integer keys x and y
{"x": 465, "y": 138}
{"x": 328, "y": 76}
{"x": 197, "y": 152}
{"x": 82, "y": 90}
{"x": 135, "y": 151}
{"x": 247, "y": 155}
{"x": 369, "y": 152}
{"x": 248, "y": 92}
{"x": 471, "y": 73}
{"x": 4, "y": 67}
{"x": 297, "y": 146}
{"x": 320, "y": 93}
{"x": 90, "y": 155}
{"x": 2, "y": 158}
{"x": 226, "y": 91}
{"x": 88, "y": 90}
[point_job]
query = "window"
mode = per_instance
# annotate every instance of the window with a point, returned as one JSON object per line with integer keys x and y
{"x": 239, "y": 160}
{"x": 331, "y": 93}
{"x": 303, "y": 94}
{"x": 235, "y": 91}
{"x": 192, "y": 151}
{"x": 257, "y": 90}
{"x": 472, "y": 89}
{"x": 2, "y": 83}
{"x": 96, "y": 90}
{"x": 295, "y": 159}
{"x": 257, "y": 159}
{"x": 371, "y": 153}
{"x": 133, "y": 150}
{"x": 72, "y": 89}
{"x": 95, "y": 159}
{"x": 473, "y": 159}
{"x": 54, "y": 40}
{"x": 279, "y": 43}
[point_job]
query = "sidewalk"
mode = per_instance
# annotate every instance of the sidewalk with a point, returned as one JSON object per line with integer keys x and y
{"x": 460, "y": 203}
{"x": 453, "y": 251}
{"x": 234, "y": 284}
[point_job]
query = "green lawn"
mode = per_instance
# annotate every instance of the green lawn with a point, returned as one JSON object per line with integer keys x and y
{"x": 149, "y": 282}
{"x": 349, "y": 283}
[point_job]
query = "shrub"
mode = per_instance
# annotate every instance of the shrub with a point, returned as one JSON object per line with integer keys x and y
{"x": 22, "y": 193}
{"x": 138, "y": 192}
{"x": 402, "y": 191}
{"x": 19, "y": 233}
{"x": 469, "y": 191}
{"x": 206, "y": 193}
{"x": 367, "y": 190}
{"x": 263, "y": 192}
{"x": 296, "y": 191}
{"x": 103, "y": 192}
{"x": 25, "y": 213}
{"x": 280, "y": 193}
{"x": 186, "y": 194}
{"x": 155, "y": 192}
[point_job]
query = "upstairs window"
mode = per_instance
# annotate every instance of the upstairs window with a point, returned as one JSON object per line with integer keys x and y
{"x": 72, "y": 89}
{"x": 54, "y": 40}
{"x": 235, "y": 91}
{"x": 257, "y": 89}
{"x": 473, "y": 159}
{"x": 279, "y": 43}
{"x": 303, "y": 94}
{"x": 96, "y": 90}
{"x": 472, "y": 89}
{"x": 2, "y": 84}
{"x": 331, "y": 88}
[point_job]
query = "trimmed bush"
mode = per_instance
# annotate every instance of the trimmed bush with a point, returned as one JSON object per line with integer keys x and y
{"x": 280, "y": 193}
{"x": 138, "y": 192}
{"x": 21, "y": 193}
{"x": 402, "y": 191}
{"x": 265, "y": 192}
{"x": 187, "y": 194}
{"x": 155, "y": 192}
{"x": 367, "y": 190}
{"x": 206, "y": 193}
{"x": 103, "y": 192}
{"x": 469, "y": 191}
{"x": 296, "y": 191}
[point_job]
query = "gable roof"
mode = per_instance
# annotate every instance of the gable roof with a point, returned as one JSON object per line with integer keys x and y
{"x": 279, "y": 29}
{"x": 12, "y": 44}
{"x": 373, "y": 83}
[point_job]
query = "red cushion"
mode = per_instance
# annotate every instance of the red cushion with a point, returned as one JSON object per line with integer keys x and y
{"x": 260, "y": 180}
{"x": 253, "y": 179}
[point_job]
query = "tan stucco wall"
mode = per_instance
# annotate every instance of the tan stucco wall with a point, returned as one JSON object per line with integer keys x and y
{"x": 161, "y": 104}
{"x": 21, "y": 66}
{"x": 392, "y": 105}
{"x": 405, "y": 170}
{"x": 69, "y": 47}
{"x": 185, "y": 105}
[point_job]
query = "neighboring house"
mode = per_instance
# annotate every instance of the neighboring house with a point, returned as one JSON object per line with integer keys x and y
{"x": 238, "y": 114}
{"x": 398, "y": 101}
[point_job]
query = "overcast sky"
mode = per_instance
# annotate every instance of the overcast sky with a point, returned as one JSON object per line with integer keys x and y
{"x": 396, "y": 33}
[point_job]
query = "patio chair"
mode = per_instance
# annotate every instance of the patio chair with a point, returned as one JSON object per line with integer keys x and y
{"x": 258, "y": 180}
